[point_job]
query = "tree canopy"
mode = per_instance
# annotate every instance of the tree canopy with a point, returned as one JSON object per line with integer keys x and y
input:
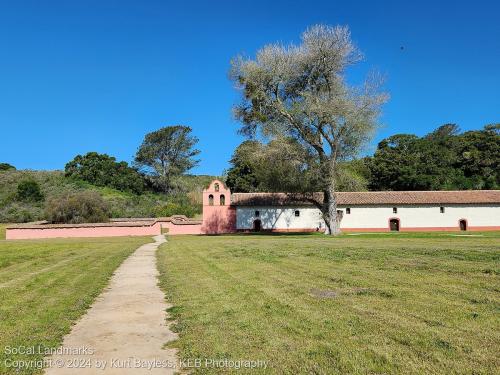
{"x": 29, "y": 191}
{"x": 166, "y": 154}
{"x": 103, "y": 170}
{"x": 301, "y": 92}
{"x": 444, "y": 159}
{"x": 283, "y": 165}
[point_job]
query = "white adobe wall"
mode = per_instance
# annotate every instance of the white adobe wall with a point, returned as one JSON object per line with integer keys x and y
{"x": 371, "y": 217}
{"x": 279, "y": 218}
{"x": 421, "y": 216}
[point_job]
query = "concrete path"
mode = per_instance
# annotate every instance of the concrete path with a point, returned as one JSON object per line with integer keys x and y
{"x": 124, "y": 331}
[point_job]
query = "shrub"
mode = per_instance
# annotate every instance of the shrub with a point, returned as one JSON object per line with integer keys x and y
{"x": 29, "y": 191}
{"x": 75, "y": 208}
{"x": 176, "y": 206}
{"x": 6, "y": 167}
{"x": 16, "y": 212}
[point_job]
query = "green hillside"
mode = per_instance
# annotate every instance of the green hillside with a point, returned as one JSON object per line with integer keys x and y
{"x": 122, "y": 204}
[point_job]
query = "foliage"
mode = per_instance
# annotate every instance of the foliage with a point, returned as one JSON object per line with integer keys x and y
{"x": 29, "y": 191}
{"x": 279, "y": 165}
{"x": 441, "y": 160}
{"x": 20, "y": 212}
{"x": 283, "y": 165}
{"x": 417, "y": 303}
{"x": 76, "y": 208}
{"x": 177, "y": 205}
{"x": 166, "y": 154}
{"x": 6, "y": 167}
{"x": 301, "y": 92}
{"x": 48, "y": 281}
{"x": 54, "y": 184}
{"x": 104, "y": 170}
{"x": 242, "y": 176}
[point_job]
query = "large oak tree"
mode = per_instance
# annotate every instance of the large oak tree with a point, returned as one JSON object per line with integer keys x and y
{"x": 300, "y": 91}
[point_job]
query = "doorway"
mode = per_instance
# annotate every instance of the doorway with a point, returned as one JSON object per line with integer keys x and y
{"x": 463, "y": 224}
{"x": 257, "y": 226}
{"x": 394, "y": 225}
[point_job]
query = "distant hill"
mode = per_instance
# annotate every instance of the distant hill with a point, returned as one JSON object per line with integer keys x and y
{"x": 54, "y": 183}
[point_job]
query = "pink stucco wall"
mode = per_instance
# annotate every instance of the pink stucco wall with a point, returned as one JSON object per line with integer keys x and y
{"x": 174, "y": 229}
{"x": 218, "y": 214}
{"x": 87, "y": 231}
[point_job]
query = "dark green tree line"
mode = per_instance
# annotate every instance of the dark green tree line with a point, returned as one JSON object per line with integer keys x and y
{"x": 442, "y": 160}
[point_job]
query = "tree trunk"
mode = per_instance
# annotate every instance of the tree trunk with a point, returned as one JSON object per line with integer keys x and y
{"x": 330, "y": 214}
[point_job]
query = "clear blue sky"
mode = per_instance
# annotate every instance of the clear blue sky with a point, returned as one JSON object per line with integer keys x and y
{"x": 79, "y": 76}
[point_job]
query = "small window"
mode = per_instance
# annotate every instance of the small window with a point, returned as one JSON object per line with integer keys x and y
{"x": 257, "y": 213}
{"x": 394, "y": 210}
{"x": 216, "y": 187}
{"x": 348, "y": 210}
{"x": 222, "y": 200}
{"x": 210, "y": 200}
{"x": 441, "y": 209}
{"x": 297, "y": 213}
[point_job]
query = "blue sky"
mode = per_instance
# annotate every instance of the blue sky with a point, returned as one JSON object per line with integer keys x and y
{"x": 79, "y": 76}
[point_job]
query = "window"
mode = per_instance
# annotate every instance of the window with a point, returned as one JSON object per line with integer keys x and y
{"x": 216, "y": 187}
{"x": 257, "y": 213}
{"x": 441, "y": 209}
{"x": 222, "y": 200}
{"x": 348, "y": 210}
{"x": 394, "y": 210}
{"x": 210, "y": 200}
{"x": 297, "y": 213}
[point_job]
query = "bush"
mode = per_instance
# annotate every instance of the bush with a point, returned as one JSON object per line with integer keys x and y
{"x": 29, "y": 191}
{"x": 76, "y": 208}
{"x": 6, "y": 167}
{"x": 16, "y": 212}
{"x": 176, "y": 206}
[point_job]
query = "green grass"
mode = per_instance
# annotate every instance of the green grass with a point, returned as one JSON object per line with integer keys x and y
{"x": 2, "y": 230}
{"x": 46, "y": 285}
{"x": 370, "y": 304}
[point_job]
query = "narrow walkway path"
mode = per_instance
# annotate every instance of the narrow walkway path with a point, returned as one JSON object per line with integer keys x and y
{"x": 124, "y": 331}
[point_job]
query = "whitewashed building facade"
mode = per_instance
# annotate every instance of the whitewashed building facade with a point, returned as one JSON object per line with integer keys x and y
{"x": 473, "y": 210}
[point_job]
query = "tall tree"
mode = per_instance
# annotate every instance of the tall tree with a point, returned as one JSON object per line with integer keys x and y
{"x": 301, "y": 92}
{"x": 242, "y": 176}
{"x": 166, "y": 154}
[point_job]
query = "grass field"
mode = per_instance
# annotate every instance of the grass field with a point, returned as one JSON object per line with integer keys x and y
{"x": 375, "y": 304}
{"x": 2, "y": 231}
{"x": 46, "y": 285}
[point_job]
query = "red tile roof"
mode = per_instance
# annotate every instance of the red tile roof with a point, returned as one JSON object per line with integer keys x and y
{"x": 371, "y": 198}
